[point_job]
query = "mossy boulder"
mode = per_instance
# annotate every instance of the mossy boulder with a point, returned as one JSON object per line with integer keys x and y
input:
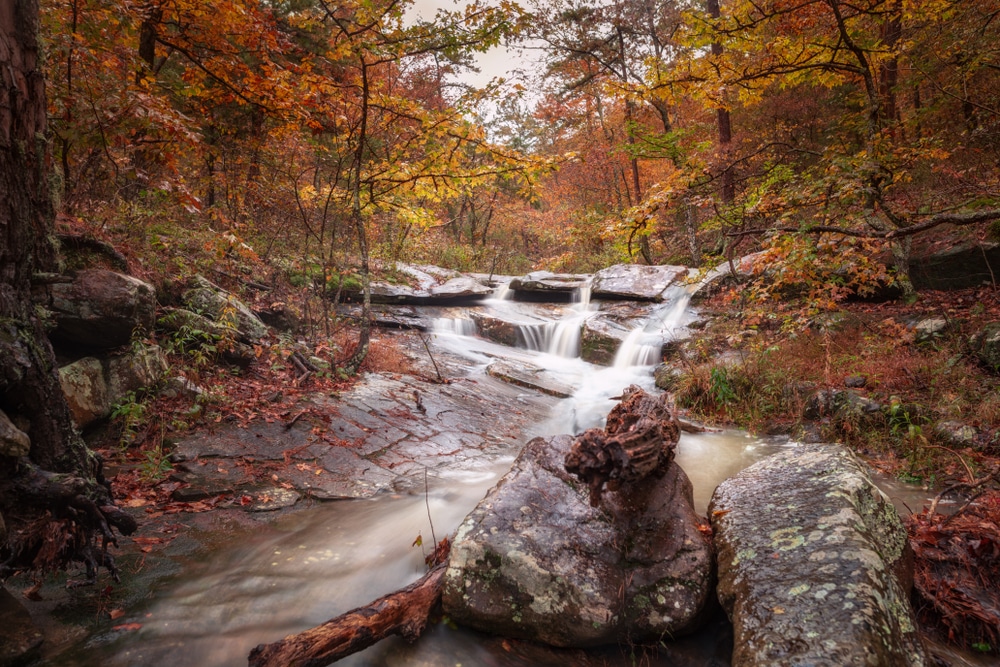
{"x": 222, "y": 307}
{"x": 535, "y": 561}
{"x": 814, "y": 564}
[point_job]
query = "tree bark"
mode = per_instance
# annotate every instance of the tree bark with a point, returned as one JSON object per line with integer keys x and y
{"x": 638, "y": 441}
{"x": 60, "y": 479}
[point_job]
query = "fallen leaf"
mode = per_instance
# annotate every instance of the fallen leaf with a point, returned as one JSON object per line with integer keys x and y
{"x": 115, "y": 614}
{"x": 127, "y": 626}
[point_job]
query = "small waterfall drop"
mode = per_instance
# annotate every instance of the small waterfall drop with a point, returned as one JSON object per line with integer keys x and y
{"x": 457, "y": 326}
{"x": 561, "y": 337}
{"x": 503, "y": 292}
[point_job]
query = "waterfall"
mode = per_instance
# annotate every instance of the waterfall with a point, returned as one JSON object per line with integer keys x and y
{"x": 562, "y": 337}
{"x": 638, "y": 349}
{"x": 457, "y": 326}
{"x": 503, "y": 292}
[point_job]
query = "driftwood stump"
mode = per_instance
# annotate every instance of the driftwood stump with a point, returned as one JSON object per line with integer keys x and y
{"x": 638, "y": 441}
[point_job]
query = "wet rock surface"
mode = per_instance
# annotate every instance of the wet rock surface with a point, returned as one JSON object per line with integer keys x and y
{"x": 600, "y": 339}
{"x": 814, "y": 564}
{"x": 534, "y": 560}
{"x": 548, "y": 285}
{"x": 635, "y": 281}
{"x": 380, "y": 436}
{"x": 526, "y": 375}
{"x": 20, "y": 638}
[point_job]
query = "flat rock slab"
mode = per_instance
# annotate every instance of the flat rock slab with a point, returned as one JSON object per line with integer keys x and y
{"x": 635, "y": 281}
{"x": 379, "y": 436}
{"x": 535, "y": 561}
{"x": 547, "y": 285}
{"x": 530, "y": 377}
{"x": 814, "y": 564}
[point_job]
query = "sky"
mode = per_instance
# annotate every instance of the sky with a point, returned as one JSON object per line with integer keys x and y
{"x": 497, "y": 62}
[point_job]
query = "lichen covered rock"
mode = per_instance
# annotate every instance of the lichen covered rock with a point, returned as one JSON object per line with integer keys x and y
{"x": 814, "y": 564}
{"x": 222, "y": 307}
{"x": 534, "y": 560}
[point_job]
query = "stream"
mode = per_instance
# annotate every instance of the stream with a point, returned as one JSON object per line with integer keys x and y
{"x": 258, "y": 585}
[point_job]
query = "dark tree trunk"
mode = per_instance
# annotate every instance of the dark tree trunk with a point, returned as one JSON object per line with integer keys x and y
{"x": 30, "y": 394}
{"x": 724, "y": 126}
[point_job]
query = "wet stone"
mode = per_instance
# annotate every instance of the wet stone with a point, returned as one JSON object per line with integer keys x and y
{"x": 273, "y": 498}
{"x": 535, "y": 561}
{"x": 635, "y": 281}
{"x": 814, "y": 564}
{"x": 530, "y": 377}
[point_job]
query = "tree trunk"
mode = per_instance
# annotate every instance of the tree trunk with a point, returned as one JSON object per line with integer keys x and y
{"x": 353, "y": 363}
{"x": 724, "y": 126}
{"x": 74, "y": 492}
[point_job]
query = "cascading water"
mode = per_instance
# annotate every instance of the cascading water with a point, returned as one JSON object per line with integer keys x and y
{"x": 459, "y": 326}
{"x": 315, "y": 564}
{"x": 562, "y": 337}
{"x": 642, "y": 346}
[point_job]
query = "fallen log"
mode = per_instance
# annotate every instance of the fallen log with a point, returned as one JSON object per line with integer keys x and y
{"x": 404, "y": 612}
{"x": 638, "y": 441}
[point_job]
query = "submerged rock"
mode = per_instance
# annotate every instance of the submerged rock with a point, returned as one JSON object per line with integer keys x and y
{"x": 535, "y": 561}
{"x": 814, "y": 564}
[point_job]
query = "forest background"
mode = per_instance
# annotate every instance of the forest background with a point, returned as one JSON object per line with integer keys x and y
{"x": 314, "y": 136}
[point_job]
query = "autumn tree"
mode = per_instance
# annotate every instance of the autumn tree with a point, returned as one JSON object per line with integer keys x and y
{"x": 54, "y": 501}
{"x": 862, "y": 171}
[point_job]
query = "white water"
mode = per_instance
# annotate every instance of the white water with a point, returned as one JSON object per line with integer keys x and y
{"x": 459, "y": 326}
{"x": 313, "y": 565}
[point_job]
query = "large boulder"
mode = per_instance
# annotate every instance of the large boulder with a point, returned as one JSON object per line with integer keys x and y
{"x": 957, "y": 267}
{"x": 635, "y": 281}
{"x": 101, "y": 309}
{"x": 222, "y": 307}
{"x": 191, "y": 331}
{"x": 814, "y": 564}
{"x": 534, "y": 560}
{"x": 93, "y": 386}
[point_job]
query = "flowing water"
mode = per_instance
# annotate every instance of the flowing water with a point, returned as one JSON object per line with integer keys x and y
{"x": 310, "y": 566}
